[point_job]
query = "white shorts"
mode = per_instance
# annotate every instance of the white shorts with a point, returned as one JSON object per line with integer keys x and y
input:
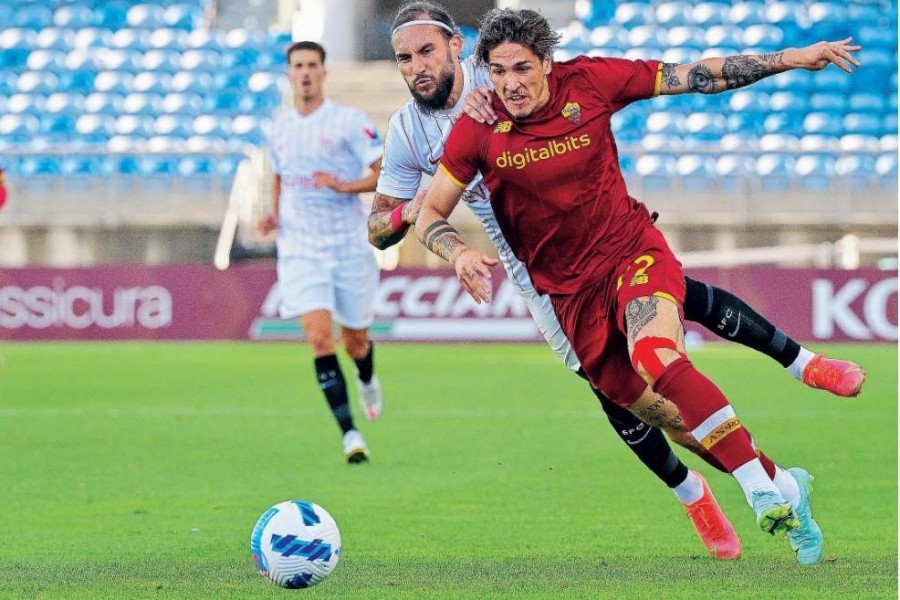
{"x": 542, "y": 312}
{"x": 344, "y": 287}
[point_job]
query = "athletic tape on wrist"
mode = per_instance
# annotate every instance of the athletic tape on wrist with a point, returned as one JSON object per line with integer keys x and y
{"x": 397, "y": 218}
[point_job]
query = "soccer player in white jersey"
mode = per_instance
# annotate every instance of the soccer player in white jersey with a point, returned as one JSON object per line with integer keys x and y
{"x": 427, "y": 44}
{"x": 323, "y": 155}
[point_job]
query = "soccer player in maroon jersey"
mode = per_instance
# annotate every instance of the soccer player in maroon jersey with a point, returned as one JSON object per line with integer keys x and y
{"x": 551, "y": 165}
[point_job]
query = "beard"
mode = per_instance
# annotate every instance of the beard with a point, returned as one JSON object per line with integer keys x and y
{"x": 438, "y": 99}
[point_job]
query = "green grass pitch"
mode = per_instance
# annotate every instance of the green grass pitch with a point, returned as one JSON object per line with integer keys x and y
{"x": 137, "y": 470}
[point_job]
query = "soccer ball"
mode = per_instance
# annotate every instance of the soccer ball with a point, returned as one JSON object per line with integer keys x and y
{"x": 295, "y": 544}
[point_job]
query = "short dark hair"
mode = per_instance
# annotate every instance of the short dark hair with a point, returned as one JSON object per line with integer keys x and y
{"x": 419, "y": 9}
{"x": 314, "y": 46}
{"x": 525, "y": 27}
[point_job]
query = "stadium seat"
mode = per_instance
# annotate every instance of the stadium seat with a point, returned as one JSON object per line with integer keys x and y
{"x": 886, "y": 169}
{"x": 815, "y": 143}
{"x": 158, "y": 164}
{"x": 174, "y": 126}
{"x": 50, "y": 60}
{"x": 888, "y": 143}
{"x": 126, "y": 143}
{"x": 643, "y": 53}
{"x": 746, "y": 122}
{"x": 665, "y": 122}
{"x": 164, "y": 144}
{"x": 858, "y": 143}
{"x": 131, "y": 39}
{"x": 775, "y": 172}
{"x": 91, "y": 37}
{"x": 815, "y": 172}
{"x": 706, "y": 126}
{"x": 788, "y": 101}
{"x": 200, "y": 143}
{"x": 738, "y": 141}
{"x": 789, "y": 16}
{"x": 828, "y": 19}
{"x": 148, "y": 16}
{"x": 8, "y": 87}
{"x": 647, "y": 36}
{"x": 226, "y": 166}
{"x": 673, "y": 13}
{"x": 61, "y": 102}
{"x": 686, "y": 37}
{"x": 126, "y": 61}
{"x": 786, "y": 123}
{"x": 748, "y": 100}
{"x": 661, "y": 142}
{"x": 86, "y": 165}
{"x": 213, "y": 39}
{"x": 37, "y": 165}
{"x": 734, "y": 171}
{"x": 200, "y": 60}
{"x": 167, "y": 39}
{"x": 113, "y": 82}
{"x": 764, "y": 36}
{"x": 73, "y": 16}
{"x": 194, "y": 165}
{"x": 151, "y": 82}
{"x": 574, "y": 38}
{"x": 828, "y": 102}
{"x": 194, "y": 83}
{"x": 823, "y": 123}
{"x": 874, "y": 75}
{"x": 867, "y": 102}
{"x": 609, "y": 36}
{"x": 230, "y": 81}
{"x": 632, "y": 14}
{"x": 778, "y": 142}
{"x": 628, "y": 126}
{"x": 182, "y": 104}
{"x": 139, "y": 126}
{"x": 182, "y": 16}
{"x": 856, "y": 172}
{"x": 221, "y": 103}
{"x": 106, "y": 103}
{"x": 142, "y": 104}
{"x": 594, "y": 12}
{"x": 655, "y": 171}
{"x": 13, "y": 59}
{"x": 32, "y": 16}
{"x": 724, "y": 35}
{"x": 110, "y": 15}
{"x": 211, "y": 126}
{"x": 168, "y": 61}
{"x": 264, "y": 83}
{"x": 54, "y": 38}
{"x": 37, "y": 82}
{"x": 745, "y": 14}
{"x": 681, "y": 56}
{"x": 250, "y": 129}
{"x": 239, "y": 58}
{"x": 19, "y": 128}
{"x": 17, "y": 38}
{"x": 865, "y": 124}
{"x": 708, "y": 14}
{"x": 95, "y": 128}
{"x": 696, "y": 172}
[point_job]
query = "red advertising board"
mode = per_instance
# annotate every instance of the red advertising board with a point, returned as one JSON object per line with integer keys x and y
{"x": 185, "y": 302}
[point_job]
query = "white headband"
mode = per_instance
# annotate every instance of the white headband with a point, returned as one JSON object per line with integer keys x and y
{"x": 423, "y": 22}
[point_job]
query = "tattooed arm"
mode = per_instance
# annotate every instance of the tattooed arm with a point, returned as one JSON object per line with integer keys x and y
{"x": 714, "y": 75}
{"x": 472, "y": 267}
{"x": 387, "y": 227}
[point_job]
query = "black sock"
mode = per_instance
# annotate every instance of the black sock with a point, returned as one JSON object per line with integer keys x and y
{"x": 332, "y": 384}
{"x": 365, "y": 366}
{"x": 648, "y": 443}
{"x": 732, "y": 319}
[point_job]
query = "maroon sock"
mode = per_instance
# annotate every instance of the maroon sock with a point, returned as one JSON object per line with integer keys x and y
{"x": 697, "y": 398}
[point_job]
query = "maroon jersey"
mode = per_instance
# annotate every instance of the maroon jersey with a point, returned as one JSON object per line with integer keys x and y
{"x": 555, "y": 182}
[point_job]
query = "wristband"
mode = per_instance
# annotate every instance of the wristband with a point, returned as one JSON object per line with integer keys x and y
{"x": 397, "y": 223}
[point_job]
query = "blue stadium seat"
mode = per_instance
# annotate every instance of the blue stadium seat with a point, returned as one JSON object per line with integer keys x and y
{"x": 168, "y": 61}
{"x": 574, "y": 38}
{"x": 148, "y": 16}
{"x": 778, "y": 142}
{"x": 140, "y": 126}
{"x": 655, "y": 171}
{"x": 665, "y": 122}
{"x": 828, "y": 102}
{"x": 709, "y": 14}
{"x": 194, "y": 83}
{"x": 32, "y": 104}
{"x": 37, "y": 165}
{"x": 259, "y": 104}
{"x": 775, "y": 171}
{"x": 13, "y": 59}
{"x": 786, "y": 123}
{"x": 54, "y": 38}
{"x": 111, "y": 15}
{"x": 126, "y": 61}
{"x": 874, "y": 36}
{"x": 200, "y": 60}
{"x": 833, "y": 80}
{"x": 747, "y": 122}
{"x": 789, "y": 16}
{"x": 183, "y": 104}
{"x": 158, "y": 164}
{"x": 661, "y": 142}
{"x": 73, "y": 16}
{"x": 738, "y": 141}
{"x": 724, "y": 35}
{"x": 105, "y": 103}
{"x": 84, "y": 59}
{"x": 211, "y": 126}
{"x": 748, "y": 99}
{"x": 152, "y": 82}
{"x": 673, "y": 13}
{"x": 733, "y": 171}
{"x": 227, "y": 166}
{"x": 874, "y": 75}
{"x": 113, "y": 82}
{"x": 628, "y": 126}
{"x": 201, "y": 143}
{"x": 239, "y": 58}
{"x": 643, "y": 53}
{"x": 609, "y": 36}
{"x": 868, "y": 102}
{"x": 696, "y": 172}
{"x": 745, "y": 14}
{"x": 817, "y": 143}
{"x": 856, "y": 172}
{"x": 76, "y": 82}
{"x": 815, "y": 171}
{"x": 167, "y": 39}
{"x": 886, "y": 169}
{"x": 632, "y": 14}
{"x": 50, "y": 60}
{"x": 174, "y": 126}
{"x": 37, "y": 82}
{"x": 801, "y": 82}
{"x": 61, "y": 102}
{"x": 263, "y": 83}
{"x": 8, "y": 87}
{"x": 164, "y": 143}
{"x": 788, "y": 101}
{"x": 765, "y": 36}
{"x": 706, "y": 126}
{"x": 95, "y": 128}
{"x": 183, "y": 16}
{"x": 31, "y": 16}
{"x": 604, "y": 52}
{"x": 86, "y": 165}
{"x": 686, "y": 37}
{"x": 213, "y": 39}
{"x": 681, "y": 56}
{"x": 828, "y": 19}
{"x": 230, "y": 81}
{"x": 823, "y": 123}
{"x": 865, "y": 124}
{"x": 126, "y": 143}
{"x": 250, "y": 129}
{"x": 223, "y": 102}
{"x": 17, "y": 38}
{"x": 595, "y": 12}
{"x": 19, "y": 128}
{"x": 647, "y": 36}
{"x": 142, "y": 104}
{"x": 194, "y": 165}
{"x": 131, "y": 39}
{"x": 856, "y": 142}
{"x": 91, "y": 37}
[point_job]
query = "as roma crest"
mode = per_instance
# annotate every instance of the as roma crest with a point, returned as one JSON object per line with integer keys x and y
{"x": 572, "y": 112}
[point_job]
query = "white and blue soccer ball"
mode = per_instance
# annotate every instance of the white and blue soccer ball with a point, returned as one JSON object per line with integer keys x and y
{"x": 296, "y": 544}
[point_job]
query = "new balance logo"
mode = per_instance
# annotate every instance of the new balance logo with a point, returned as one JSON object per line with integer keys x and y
{"x": 503, "y": 127}
{"x": 289, "y": 545}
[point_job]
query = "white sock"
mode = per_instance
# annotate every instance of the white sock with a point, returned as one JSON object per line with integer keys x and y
{"x": 796, "y": 367}
{"x": 752, "y": 477}
{"x": 690, "y": 490}
{"x": 787, "y": 485}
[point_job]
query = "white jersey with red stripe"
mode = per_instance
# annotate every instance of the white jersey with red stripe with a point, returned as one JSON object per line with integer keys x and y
{"x": 413, "y": 146}
{"x": 318, "y": 222}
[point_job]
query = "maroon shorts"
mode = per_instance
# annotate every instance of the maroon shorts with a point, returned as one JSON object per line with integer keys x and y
{"x": 593, "y": 318}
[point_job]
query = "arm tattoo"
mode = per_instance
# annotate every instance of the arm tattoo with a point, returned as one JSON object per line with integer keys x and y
{"x": 701, "y": 79}
{"x": 381, "y": 234}
{"x": 441, "y": 238}
{"x": 669, "y": 78}
{"x": 638, "y": 314}
{"x": 739, "y": 71}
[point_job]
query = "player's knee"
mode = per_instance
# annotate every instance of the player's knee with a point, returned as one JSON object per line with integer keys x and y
{"x": 320, "y": 342}
{"x": 651, "y": 356}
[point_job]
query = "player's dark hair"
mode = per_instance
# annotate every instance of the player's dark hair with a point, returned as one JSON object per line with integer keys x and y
{"x": 314, "y": 46}
{"x": 423, "y": 9}
{"x": 524, "y": 27}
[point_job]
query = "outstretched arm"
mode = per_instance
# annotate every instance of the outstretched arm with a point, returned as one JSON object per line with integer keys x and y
{"x": 472, "y": 267}
{"x": 714, "y": 75}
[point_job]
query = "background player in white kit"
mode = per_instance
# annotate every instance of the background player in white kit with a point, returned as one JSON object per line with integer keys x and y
{"x": 320, "y": 153}
{"x": 426, "y": 42}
